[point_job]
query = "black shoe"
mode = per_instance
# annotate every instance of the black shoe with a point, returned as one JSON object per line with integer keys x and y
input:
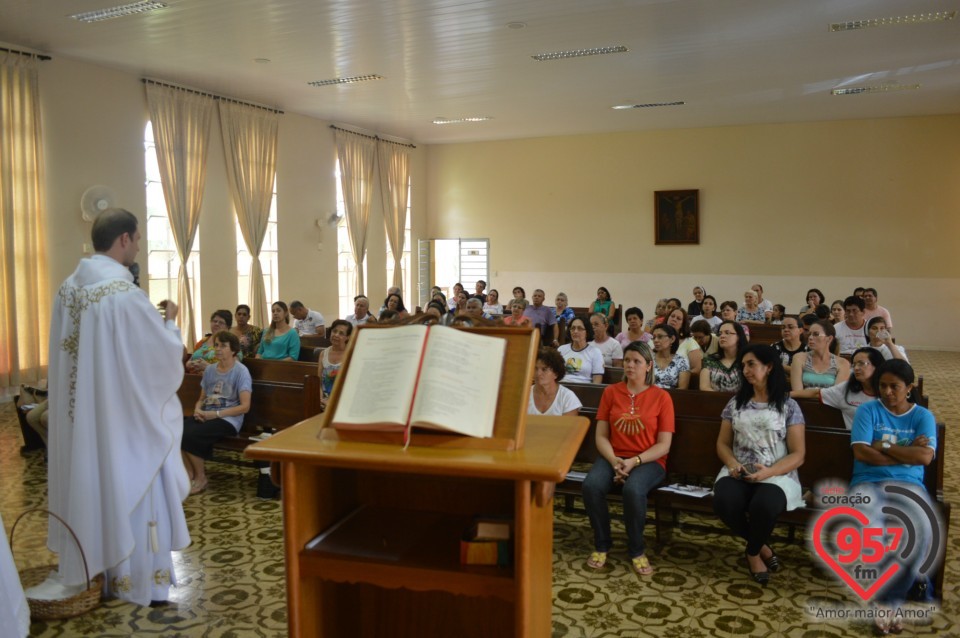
{"x": 773, "y": 563}
{"x": 265, "y": 488}
{"x": 760, "y": 577}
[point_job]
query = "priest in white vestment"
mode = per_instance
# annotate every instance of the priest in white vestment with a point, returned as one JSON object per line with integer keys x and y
{"x": 115, "y": 471}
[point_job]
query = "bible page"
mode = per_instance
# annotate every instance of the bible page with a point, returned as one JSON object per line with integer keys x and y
{"x": 378, "y": 384}
{"x": 459, "y": 382}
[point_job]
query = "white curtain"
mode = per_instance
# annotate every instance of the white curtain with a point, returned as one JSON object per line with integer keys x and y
{"x": 394, "y": 162}
{"x": 24, "y": 298}
{"x": 250, "y": 148}
{"x": 181, "y": 122}
{"x": 357, "y": 154}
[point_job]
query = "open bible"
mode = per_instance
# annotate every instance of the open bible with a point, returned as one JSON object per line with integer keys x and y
{"x": 421, "y": 376}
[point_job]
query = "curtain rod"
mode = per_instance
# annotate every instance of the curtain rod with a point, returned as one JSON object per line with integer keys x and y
{"x": 372, "y": 137}
{"x": 39, "y": 56}
{"x": 213, "y": 95}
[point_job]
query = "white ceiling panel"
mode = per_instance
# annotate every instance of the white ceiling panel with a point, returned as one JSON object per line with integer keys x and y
{"x": 731, "y": 61}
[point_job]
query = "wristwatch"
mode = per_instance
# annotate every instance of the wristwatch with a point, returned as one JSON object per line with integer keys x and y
{"x": 886, "y": 445}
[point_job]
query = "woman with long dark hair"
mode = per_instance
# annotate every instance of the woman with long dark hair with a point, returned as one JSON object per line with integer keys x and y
{"x": 280, "y": 341}
{"x": 670, "y": 369}
{"x": 761, "y": 445}
{"x": 721, "y": 372}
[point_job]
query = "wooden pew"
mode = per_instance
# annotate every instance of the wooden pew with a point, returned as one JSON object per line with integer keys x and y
{"x": 314, "y": 341}
{"x": 765, "y": 333}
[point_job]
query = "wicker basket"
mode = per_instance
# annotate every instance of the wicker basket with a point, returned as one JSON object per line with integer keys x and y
{"x": 75, "y": 605}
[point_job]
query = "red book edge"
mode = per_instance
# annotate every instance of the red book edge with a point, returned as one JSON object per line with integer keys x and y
{"x": 416, "y": 388}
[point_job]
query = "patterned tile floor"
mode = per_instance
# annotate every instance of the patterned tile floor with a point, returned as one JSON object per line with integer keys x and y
{"x": 231, "y": 577}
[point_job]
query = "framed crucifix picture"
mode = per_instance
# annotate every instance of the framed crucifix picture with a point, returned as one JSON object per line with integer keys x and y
{"x": 676, "y": 217}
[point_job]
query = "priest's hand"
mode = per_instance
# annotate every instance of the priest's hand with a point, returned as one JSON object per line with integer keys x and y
{"x": 169, "y": 309}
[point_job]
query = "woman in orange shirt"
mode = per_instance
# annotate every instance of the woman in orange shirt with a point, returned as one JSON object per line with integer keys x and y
{"x": 634, "y": 430}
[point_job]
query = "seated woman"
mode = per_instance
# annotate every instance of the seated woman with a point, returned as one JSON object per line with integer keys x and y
{"x": 603, "y": 304}
{"x": 516, "y": 316}
{"x": 461, "y": 303}
{"x": 563, "y": 309}
{"x": 435, "y": 310}
{"x": 635, "y": 426}
{"x": 659, "y": 315}
{"x": 837, "y": 313}
{"x": 519, "y": 293}
{"x": 452, "y": 304}
{"x": 670, "y": 368}
{"x": 728, "y": 312}
{"x": 792, "y": 342}
{"x": 493, "y": 305}
{"x": 777, "y": 314}
{"x": 695, "y": 307}
{"x": 634, "y": 331}
{"x": 609, "y": 347}
{"x": 204, "y": 352}
{"x": 855, "y": 391}
{"x": 814, "y": 299}
{"x": 224, "y": 398}
{"x": 583, "y": 361}
{"x": 879, "y": 337}
{"x": 721, "y": 371}
{"x": 751, "y": 311}
{"x": 761, "y": 445}
{"x": 330, "y": 359}
{"x": 394, "y": 302}
{"x": 281, "y": 341}
{"x": 702, "y": 333}
{"x": 821, "y": 366}
{"x": 687, "y": 345}
{"x": 548, "y": 397}
{"x": 892, "y": 440}
{"x": 248, "y": 333}
{"x": 708, "y": 313}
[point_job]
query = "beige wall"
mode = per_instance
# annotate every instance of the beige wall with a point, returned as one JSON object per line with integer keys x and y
{"x": 828, "y": 205}
{"x": 93, "y": 125}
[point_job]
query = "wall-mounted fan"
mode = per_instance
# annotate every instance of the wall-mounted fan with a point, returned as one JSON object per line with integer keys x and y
{"x": 94, "y": 201}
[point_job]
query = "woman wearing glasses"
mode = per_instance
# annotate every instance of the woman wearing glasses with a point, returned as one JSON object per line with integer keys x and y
{"x": 204, "y": 352}
{"x": 720, "y": 371}
{"x": 582, "y": 360}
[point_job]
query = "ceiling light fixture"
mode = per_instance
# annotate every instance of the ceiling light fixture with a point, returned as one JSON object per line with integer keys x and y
{"x": 578, "y": 53}
{"x": 918, "y": 18}
{"x": 118, "y": 11}
{"x": 649, "y": 105}
{"x": 350, "y": 80}
{"x": 461, "y": 120}
{"x": 876, "y": 88}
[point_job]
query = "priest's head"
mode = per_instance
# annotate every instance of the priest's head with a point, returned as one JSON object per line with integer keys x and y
{"x": 115, "y": 235}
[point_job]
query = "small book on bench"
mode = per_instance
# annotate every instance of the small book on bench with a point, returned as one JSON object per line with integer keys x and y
{"x": 430, "y": 377}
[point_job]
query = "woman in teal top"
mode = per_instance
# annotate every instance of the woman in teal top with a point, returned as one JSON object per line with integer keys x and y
{"x": 821, "y": 367}
{"x": 603, "y": 304}
{"x": 280, "y": 341}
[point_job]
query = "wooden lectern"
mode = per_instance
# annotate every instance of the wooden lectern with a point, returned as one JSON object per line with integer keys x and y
{"x": 372, "y": 531}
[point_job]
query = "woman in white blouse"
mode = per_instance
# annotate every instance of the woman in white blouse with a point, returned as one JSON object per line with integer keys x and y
{"x": 548, "y": 397}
